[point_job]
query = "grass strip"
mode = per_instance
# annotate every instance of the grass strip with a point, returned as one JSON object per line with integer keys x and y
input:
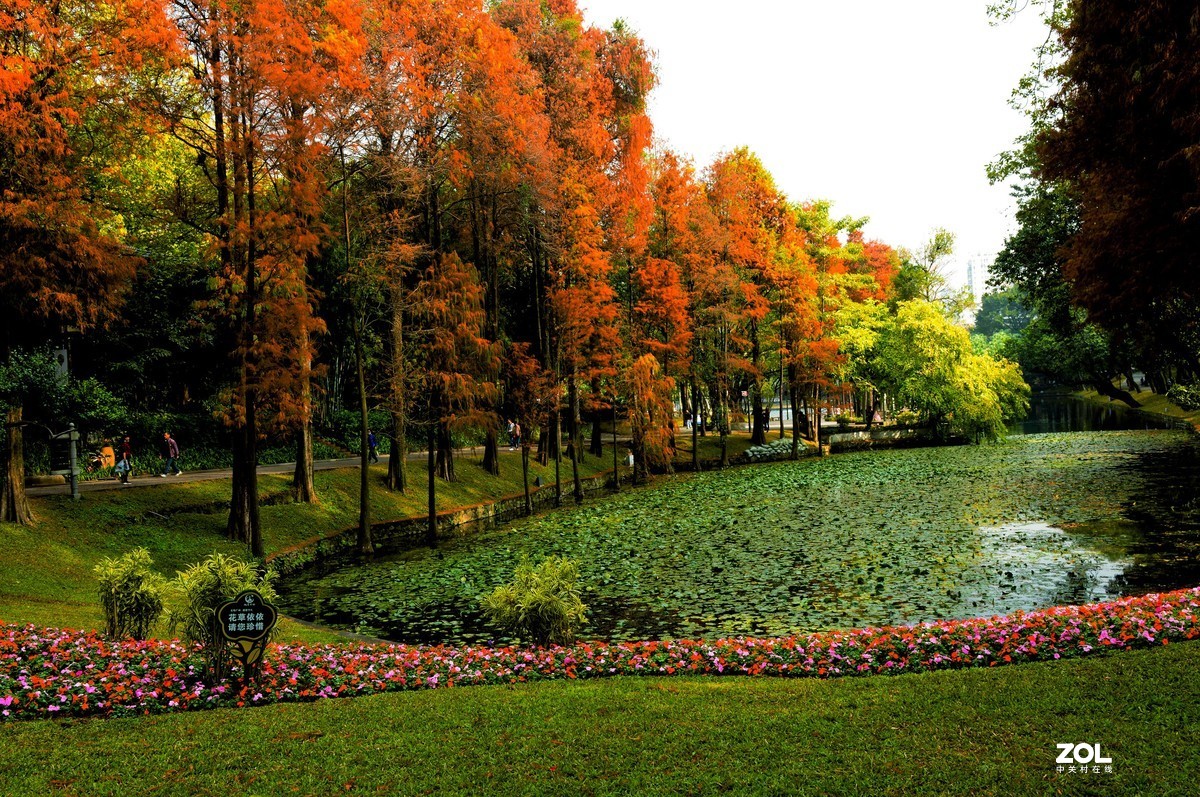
{"x": 961, "y": 732}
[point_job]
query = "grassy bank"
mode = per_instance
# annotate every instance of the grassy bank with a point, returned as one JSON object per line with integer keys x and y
{"x": 963, "y": 732}
{"x": 46, "y": 571}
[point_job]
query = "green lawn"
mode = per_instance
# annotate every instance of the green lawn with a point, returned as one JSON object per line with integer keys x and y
{"x": 966, "y": 732}
{"x": 710, "y": 446}
{"x": 46, "y": 571}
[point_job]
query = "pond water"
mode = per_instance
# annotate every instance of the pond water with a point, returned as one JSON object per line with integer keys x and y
{"x": 880, "y": 537}
{"x": 1057, "y": 412}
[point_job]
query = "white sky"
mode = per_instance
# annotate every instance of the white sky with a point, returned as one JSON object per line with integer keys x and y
{"x": 890, "y": 109}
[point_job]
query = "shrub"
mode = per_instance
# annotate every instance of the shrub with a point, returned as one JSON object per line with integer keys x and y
{"x": 542, "y": 604}
{"x": 131, "y": 594}
{"x": 844, "y": 420}
{"x": 198, "y": 592}
{"x": 907, "y": 417}
{"x": 1186, "y": 396}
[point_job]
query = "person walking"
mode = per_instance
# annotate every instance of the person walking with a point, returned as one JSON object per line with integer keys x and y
{"x": 125, "y": 461}
{"x": 171, "y": 455}
{"x": 516, "y": 436}
{"x": 372, "y": 446}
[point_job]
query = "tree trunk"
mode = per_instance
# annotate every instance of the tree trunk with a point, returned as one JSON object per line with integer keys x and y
{"x": 397, "y": 474}
{"x": 445, "y": 452}
{"x": 758, "y": 426}
{"x": 303, "y": 489}
{"x": 793, "y": 393}
{"x": 397, "y": 470}
{"x": 544, "y": 445}
{"x": 597, "y": 447}
{"x": 723, "y": 426}
{"x": 14, "y": 503}
{"x": 525, "y": 478}
{"x": 697, "y": 420}
{"x": 576, "y": 448}
{"x": 431, "y": 477}
{"x": 243, "y": 506}
{"x": 1105, "y": 388}
{"x": 616, "y": 462}
{"x": 364, "y": 543}
{"x": 557, "y": 431}
{"x": 491, "y": 451}
{"x": 239, "y": 506}
{"x": 816, "y": 422}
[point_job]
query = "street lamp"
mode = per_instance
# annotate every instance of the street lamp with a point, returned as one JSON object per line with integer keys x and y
{"x": 71, "y": 437}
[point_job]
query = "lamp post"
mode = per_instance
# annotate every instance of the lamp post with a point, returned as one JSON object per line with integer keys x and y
{"x": 72, "y": 446}
{"x": 71, "y": 435}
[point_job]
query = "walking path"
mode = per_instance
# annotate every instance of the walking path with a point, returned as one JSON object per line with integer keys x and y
{"x": 154, "y": 480}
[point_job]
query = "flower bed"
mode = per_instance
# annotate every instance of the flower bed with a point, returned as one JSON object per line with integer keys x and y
{"x": 46, "y": 673}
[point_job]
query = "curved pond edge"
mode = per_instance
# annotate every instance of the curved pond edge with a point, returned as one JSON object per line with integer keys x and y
{"x": 80, "y": 674}
{"x": 391, "y": 535}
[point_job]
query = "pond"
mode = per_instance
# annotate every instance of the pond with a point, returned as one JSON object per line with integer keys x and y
{"x": 1058, "y": 412}
{"x": 880, "y": 537}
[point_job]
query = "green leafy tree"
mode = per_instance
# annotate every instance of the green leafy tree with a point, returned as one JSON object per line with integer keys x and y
{"x": 1003, "y": 311}
{"x": 928, "y": 364}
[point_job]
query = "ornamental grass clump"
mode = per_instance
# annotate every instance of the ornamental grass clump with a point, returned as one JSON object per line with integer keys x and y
{"x": 131, "y": 594}
{"x": 198, "y": 592}
{"x": 542, "y": 604}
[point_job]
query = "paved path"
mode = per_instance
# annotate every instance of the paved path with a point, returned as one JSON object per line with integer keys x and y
{"x": 154, "y": 480}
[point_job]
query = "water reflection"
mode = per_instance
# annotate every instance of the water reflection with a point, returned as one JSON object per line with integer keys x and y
{"x": 1061, "y": 412}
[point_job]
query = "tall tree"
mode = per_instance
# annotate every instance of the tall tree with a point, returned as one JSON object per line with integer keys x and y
{"x": 749, "y": 209}
{"x": 459, "y": 369}
{"x": 247, "y": 108}
{"x": 1122, "y": 136}
{"x": 64, "y": 71}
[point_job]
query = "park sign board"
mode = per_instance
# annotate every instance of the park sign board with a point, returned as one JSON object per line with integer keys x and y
{"x": 246, "y": 621}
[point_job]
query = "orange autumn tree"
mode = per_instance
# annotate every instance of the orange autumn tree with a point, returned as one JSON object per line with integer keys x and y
{"x": 749, "y": 211}
{"x": 247, "y": 108}
{"x": 450, "y": 125}
{"x": 684, "y": 234}
{"x": 64, "y": 71}
{"x": 458, "y": 370}
{"x": 590, "y": 86}
{"x": 319, "y": 49}
{"x": 795, "y": 300}
{"x": 871, "y": 268}
{"x": 626, "y": 205}
{"x": 651, "y": 415}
